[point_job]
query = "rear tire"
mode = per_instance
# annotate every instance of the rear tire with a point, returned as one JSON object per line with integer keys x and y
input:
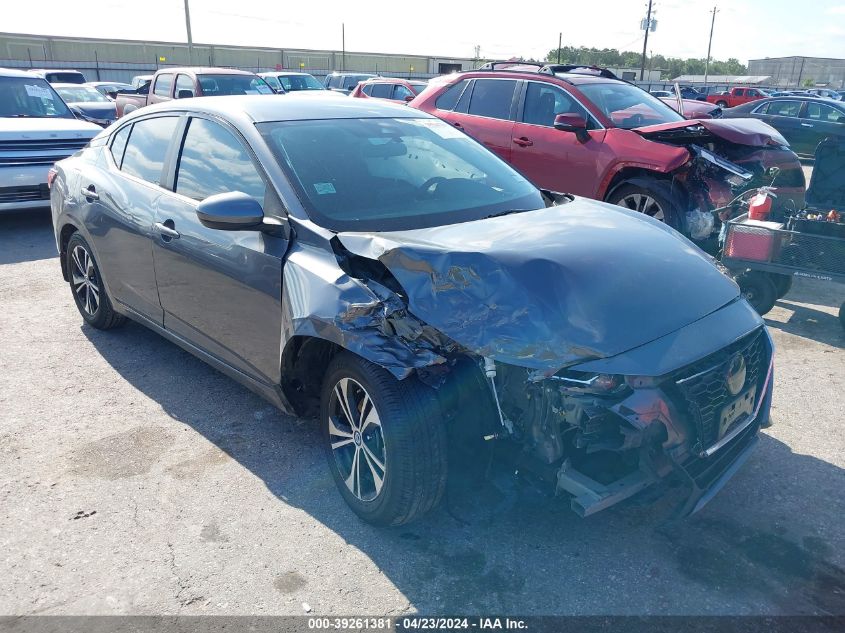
{"x": 758, "y": 289}
{"x": 389, "y": 459}
{"x": 722, "y": 104}
{"x": 86, "y": 285}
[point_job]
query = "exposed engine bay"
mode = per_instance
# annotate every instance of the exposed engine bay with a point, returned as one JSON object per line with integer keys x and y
{"x": 727, "y": 158}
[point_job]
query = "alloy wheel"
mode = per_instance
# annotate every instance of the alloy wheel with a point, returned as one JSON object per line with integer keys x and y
{"x": 643, "y": 203}
{"x": 84, "y": 279}
{"x": 357, "y": 440}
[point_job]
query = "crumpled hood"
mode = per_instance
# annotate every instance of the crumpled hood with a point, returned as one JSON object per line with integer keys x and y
{"x": 547, "y": 288}
{"x": 753, "y": 132}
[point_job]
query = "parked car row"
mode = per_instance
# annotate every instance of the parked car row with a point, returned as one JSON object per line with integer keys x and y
{"x": 366, "y": 263}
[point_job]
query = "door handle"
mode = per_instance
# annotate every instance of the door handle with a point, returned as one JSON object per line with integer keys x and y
{"x": 806, "y": 125}
{"x": 523, "y": 141}
{"x": 167, "y": 232}
{"x": 458, "y": 125}
{"x": 90, "y": 193}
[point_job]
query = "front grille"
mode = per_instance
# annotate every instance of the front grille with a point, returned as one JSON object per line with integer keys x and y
{"x": 702, "y": 391}
{"x": 24, "y": 194}
{"x": 70, "y": 145}
{"x": 704, "y": 471}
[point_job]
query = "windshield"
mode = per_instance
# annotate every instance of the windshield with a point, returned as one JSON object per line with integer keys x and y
{"x": 82, "y": 94}
{"x": 217, "y": 85}
{"x": 273, "y": 82}
{"x": 418, "y": 88}
{"x": 300, "y": 82}
{"x": 394, "y": 174}
{"x": 628, "y": 106}
{"x": 30, "y": 97}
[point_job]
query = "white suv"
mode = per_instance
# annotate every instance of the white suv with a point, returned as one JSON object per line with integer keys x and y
{"x": 36, "y": 130}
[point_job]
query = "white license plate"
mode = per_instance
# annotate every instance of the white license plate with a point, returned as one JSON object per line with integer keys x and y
{"x": 736, "y": 410}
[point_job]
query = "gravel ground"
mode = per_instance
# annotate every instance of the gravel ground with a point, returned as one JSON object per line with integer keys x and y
{"x": 135, "y": 479}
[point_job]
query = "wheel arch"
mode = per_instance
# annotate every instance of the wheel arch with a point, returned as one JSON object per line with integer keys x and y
{"x": 65, "y": 233}
{"x": 304, "y": 362}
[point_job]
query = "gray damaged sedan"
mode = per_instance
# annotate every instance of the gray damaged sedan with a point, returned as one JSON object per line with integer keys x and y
{"x": 371, "y": 266}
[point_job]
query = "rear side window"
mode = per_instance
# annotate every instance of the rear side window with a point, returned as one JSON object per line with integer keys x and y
{"x": 449, "y": 99}
{"x": 147, "y": 148}
{"x": 784, "y": 108}
{"x": 163, "y": 84}
{"x": 382, "y": 91}
{"x": 492, "y": 98}
{"x": 118, "y": 144}
{"x": 214, "y": 161}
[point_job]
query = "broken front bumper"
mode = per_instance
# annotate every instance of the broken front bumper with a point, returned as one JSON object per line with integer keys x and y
{"x": 699, "y": 449}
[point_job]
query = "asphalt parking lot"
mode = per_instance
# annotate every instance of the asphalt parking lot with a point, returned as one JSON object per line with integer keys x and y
{"x": 136, "y": 479}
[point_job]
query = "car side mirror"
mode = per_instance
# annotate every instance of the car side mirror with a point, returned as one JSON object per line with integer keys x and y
{"x": 572, "y": 123}
{"x": 409, "y": 98}
{"x": 231, "y": 211}
{"x": 184, "y": 93}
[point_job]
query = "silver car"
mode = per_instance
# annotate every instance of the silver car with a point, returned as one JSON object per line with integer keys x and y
{"x": 36, "y": 130}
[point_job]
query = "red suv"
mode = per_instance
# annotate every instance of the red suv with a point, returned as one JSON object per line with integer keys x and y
{"x": 387, "y": 88}
{"x": 584, "y": 131}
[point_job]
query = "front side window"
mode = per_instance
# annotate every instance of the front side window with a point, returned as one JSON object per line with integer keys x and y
{"x": 147, "y": 148}
{"x": 368, "y": 90}
{"x": 492, "y": 98}
{"x": 784, "y": 108}
{"x": 821, "y": 112}
{"x": 543, "y": 102}
{"x": 30, "y": 97}
{"x": 183, "y": 82}
{"x": 385, "y": 174}
{"x": 217, "y": 85}
{"x": 400, "y": 92}
{"x": 627, "y": 106}
{"x": 214, "y": 161}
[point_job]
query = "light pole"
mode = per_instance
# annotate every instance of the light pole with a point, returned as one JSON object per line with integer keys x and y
{"x": 559, "y": 42}
{"x": 647, "y": 24}
{"x": 190, "y": 38}
{"x": 709, "y": 45}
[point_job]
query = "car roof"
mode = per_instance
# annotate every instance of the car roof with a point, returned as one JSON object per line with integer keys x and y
{"x": 14, "y": 72}
{"x": 55, "y": 70}
{"x": 298, "y": 107}
{"x": 205, "y": 70}
{"x": 286, "y": 73}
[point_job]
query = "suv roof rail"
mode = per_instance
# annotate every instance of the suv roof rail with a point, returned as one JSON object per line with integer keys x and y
{"x": 578, "y": 69}
{"x": 507, "y": 64}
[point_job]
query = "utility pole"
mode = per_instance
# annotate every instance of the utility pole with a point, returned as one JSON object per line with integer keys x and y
{"x": 343, "y": 46}
{"x": 709, "y": 45}
{"x": 190, "y": 38}
{"x": 645, "y": 42}
{"x": 559, "y": 42}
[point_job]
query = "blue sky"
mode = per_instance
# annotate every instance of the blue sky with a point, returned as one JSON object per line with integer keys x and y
{"x": 744, "y": 28}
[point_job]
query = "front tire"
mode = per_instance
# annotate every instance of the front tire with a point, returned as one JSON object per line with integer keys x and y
{"x": 654, "y": 200}
{"x": 86, "y": 285}
{"x": 384, "y": 441}
{"x": 722, "y": 104}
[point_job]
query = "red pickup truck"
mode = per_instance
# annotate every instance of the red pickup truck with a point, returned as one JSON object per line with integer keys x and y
{"x": 182, "y": 83}
{"x": 736, "y": 96}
